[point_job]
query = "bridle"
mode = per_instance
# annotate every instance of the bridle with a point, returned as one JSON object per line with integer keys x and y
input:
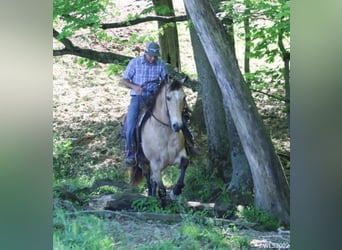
{"x": 167, "y": 111}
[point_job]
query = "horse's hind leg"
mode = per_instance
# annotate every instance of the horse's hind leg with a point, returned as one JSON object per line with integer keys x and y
{"x": 180, "y": 182}
{"x": 146, "y": 173}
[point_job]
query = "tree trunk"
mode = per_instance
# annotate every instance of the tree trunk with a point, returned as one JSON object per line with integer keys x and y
{"x": 286, "y": 59}
{"x": 247, "y": 37}
{"x": 225, "y": 152}
{"x": 270, "y": 185}
{"x": 213, "y": 111}
{"x": 168, "y": 39}
{"x": 241, "y": 184}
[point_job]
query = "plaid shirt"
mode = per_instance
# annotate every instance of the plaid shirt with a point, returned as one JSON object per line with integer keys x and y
{"x": 140, "y": 71}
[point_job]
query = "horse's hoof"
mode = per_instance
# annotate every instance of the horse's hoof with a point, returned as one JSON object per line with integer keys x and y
{"x": 172, "y": 195}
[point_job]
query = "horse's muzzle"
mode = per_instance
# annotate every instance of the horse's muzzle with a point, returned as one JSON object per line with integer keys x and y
{"x": 176, "y": 127}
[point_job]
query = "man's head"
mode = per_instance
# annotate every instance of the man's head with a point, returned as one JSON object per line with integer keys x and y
{"x": 152, "y": 49}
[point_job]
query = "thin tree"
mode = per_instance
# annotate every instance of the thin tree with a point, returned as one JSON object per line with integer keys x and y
{"x": 168, "y": 34}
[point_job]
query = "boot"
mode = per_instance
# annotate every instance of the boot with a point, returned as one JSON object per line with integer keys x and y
{"x": 130, "y": 160}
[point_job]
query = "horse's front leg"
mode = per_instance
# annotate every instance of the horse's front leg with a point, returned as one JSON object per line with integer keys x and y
{"x": 157, "y": 183}
{"x": 177, "y": 189}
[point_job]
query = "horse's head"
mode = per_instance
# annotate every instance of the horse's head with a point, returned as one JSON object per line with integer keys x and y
{"x": 175, "y": 101}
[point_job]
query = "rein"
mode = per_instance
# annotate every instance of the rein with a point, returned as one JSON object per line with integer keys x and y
{"x": 167, "y": 110}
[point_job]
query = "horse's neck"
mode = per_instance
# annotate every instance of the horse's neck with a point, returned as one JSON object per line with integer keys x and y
{"x": 160, "y": 109}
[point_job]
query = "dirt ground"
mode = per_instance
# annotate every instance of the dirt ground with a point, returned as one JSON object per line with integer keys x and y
{"x": 88, "y": 106}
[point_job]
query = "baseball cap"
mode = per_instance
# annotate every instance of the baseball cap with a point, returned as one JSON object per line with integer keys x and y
{"x": 152, "y": 49}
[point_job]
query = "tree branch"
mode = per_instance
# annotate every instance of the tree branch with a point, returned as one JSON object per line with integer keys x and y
{"x": 273, "y": 96}
{"x": 143, "y": 20}
{"x": 109, "y": 57}
{"x": 99, "y": 56}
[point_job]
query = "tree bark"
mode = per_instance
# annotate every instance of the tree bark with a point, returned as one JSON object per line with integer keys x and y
{"x": 271, "y": 188}
{"x": 240, "y": 187}
{"x": 286, "y": 59}
{"x": 168, "y": 39}
{"x": 246, "y": 26}
{"x": 214, "y": 114}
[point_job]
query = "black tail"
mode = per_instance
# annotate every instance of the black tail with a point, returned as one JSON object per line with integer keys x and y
{"x": 136, "y": 176}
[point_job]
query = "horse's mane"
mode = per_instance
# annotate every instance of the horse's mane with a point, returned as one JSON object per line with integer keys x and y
{"x": 175, "y": 85}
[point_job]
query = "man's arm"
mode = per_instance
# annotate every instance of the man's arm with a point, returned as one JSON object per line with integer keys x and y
{"x": 138, "y": 89}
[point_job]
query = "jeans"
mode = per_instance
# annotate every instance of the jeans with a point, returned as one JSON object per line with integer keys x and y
{"x": 131, "y": 122}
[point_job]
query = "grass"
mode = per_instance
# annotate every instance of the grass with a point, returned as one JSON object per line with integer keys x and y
{"x": 81, "y": 232}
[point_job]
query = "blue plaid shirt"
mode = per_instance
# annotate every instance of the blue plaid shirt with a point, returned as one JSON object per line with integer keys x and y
{"x": 139, "y": 71}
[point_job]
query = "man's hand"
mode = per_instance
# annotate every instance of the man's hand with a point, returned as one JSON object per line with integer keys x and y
{"x": 138, "y": 89}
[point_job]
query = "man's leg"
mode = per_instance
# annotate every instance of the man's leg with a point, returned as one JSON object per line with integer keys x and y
{"x": 131, "y": 121}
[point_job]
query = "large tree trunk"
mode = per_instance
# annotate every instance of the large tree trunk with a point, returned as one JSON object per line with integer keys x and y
{"x": 168, "y": 40}
{"x": 214, "y": 113}
{"x": 226, "y": 156}
{"x": 271, "y": 188}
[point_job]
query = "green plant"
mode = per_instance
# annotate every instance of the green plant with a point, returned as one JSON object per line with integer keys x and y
{"x": 61, "y": 155}
{"x": 106, "y": 190}
{"x": 89, "y": 63}
{"x": 115, "y": 69}
{"x": 78, "y": 14}
{"x": 208, "y": 236}
{"x": 150, "y": 204}
{"x": 80, "y": 232}
{"x": 264, "y": 220}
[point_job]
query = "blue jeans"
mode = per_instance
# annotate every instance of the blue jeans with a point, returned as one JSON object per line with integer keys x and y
{"x": 131, "y": 122}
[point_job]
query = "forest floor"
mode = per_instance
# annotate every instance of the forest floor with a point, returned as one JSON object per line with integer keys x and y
{"x": 88, "y": 106}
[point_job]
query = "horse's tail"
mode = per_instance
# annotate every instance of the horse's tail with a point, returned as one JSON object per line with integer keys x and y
{"x": 136, "y": 175}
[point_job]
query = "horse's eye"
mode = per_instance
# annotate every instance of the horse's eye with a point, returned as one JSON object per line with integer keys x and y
{"x": 168, "y": 98}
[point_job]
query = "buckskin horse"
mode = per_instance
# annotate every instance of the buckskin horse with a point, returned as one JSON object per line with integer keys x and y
{"x": 162, "y": 141}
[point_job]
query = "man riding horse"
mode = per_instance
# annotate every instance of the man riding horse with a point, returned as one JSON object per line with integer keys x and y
{"x": 140, "y": 70}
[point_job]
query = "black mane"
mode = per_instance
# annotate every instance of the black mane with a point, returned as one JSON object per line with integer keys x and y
{"x": 175, "y": 85}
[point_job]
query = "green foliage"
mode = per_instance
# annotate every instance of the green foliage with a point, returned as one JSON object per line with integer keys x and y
{"x": 269, "y": 27}
{"x": 115, "y": 69}
{"x": 78, "y": 14}
{"x": 150, "y": 204}
{"x": 106, "y": 190}
{"x": 264, "y": 220}
{"x": 89, "y": 63}
{"x": 202, "y": 186}
{"x": 61, "y": 149}
{"x": 204, "y": 236}
{"x": 160, "y": 10}
{"x": 80, "y": 232}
